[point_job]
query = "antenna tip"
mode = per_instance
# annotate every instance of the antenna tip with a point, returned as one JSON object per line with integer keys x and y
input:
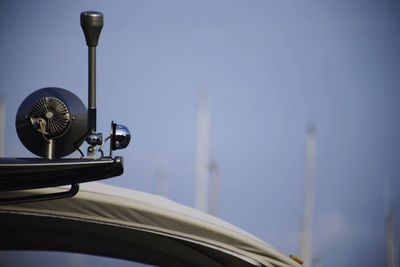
{"x": 92, "y": 22}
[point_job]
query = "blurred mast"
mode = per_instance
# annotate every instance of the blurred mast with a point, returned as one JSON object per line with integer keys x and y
{"x": 391, "y": 257}
{"x": 2, "y": 127}
{"x": 390, "y": 240}
{"x": 306, "y": 233}
{"x": 202, "y": 152}
{"x": 214, "y": 188}
{"x": 161, "y": 182}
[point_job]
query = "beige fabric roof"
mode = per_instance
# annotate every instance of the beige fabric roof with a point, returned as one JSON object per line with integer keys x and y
{"x": 116, "y": 222}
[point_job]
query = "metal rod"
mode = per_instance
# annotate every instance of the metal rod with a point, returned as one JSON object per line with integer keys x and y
{"x": 92, "y": 23}
{"x": 92, "y": 90}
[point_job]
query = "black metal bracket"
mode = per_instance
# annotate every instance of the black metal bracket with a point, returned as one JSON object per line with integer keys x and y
{"x": 18, "y": 174}
{"x": 31, "y": 173}
{"x": 35, "y": 198}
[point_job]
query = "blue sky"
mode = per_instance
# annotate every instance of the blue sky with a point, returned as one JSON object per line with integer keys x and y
{"x": 270, "y": 68}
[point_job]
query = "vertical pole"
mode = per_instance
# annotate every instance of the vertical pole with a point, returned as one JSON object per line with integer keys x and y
{"x": 92, "y": 24}
{"x": 161, "y": 182}
{"x": 390, "y": 240}
{"x": 306, "y": 234}
{"x": 2, "y": 127}
{"x": 92, "y": 90}
{"x": 214, "y": 188}
{"x": 202, "y": 152}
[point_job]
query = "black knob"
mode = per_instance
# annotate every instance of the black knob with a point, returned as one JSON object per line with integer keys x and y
{"x": 92, "y": 23}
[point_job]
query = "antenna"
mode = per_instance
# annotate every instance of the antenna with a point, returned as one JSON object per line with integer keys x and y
{"x": 92, "y": 23}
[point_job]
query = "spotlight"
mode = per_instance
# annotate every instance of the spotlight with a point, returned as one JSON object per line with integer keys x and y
{"x": 120, "y": 136}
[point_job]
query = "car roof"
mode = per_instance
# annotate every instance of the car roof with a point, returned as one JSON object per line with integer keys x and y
{"x": 116, "y": 222}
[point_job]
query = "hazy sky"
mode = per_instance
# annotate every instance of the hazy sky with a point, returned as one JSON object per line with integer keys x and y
{"x": 270, "y": 68}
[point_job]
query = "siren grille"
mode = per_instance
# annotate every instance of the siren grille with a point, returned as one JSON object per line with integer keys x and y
{"x": 50, "y": 116}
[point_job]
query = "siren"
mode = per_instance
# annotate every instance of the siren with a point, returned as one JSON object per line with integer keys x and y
{"x": 51, "y": 122}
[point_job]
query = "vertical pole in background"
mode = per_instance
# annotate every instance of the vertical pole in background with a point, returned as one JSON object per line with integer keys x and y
{"x": 390, "y": 240}
{"x": 161, "y": 182}
{"x": 306, "y": 233}
{"x": 202, "y": 152}
{"x": 214, "y": 189}
{"x": 391, "y": 250}
{"x": 2, "y": 127}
